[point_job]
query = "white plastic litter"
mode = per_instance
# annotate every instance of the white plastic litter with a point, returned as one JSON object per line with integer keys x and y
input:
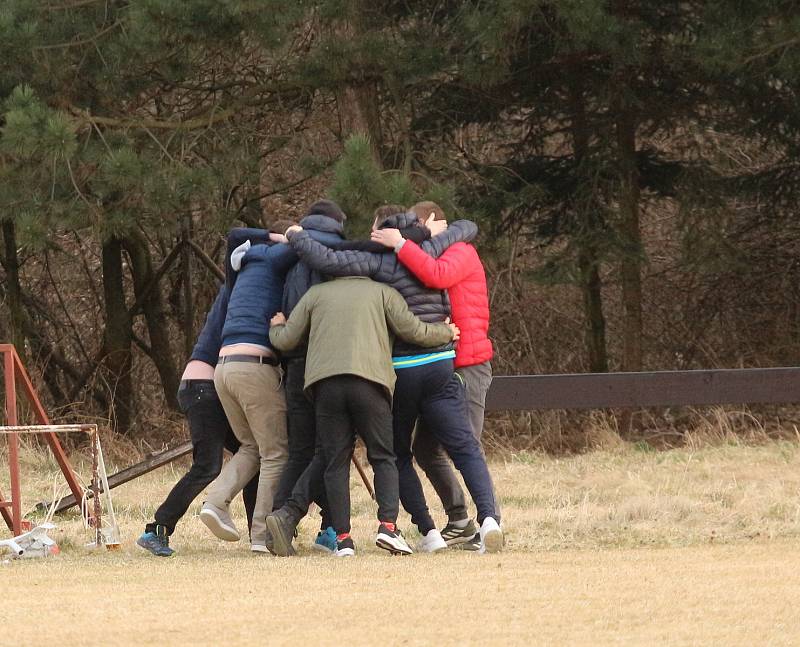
{"x": 34, "y": 543}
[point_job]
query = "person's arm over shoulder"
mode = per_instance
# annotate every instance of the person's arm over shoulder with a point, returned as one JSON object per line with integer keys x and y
{"x": 289, "y": 335}
{"x": 440, "y": 273}
{"x": 347, "y": 262}
{"x": 408, "y": 326}
{"x": 460, "y": 231}
{"x": 282, "y": 256}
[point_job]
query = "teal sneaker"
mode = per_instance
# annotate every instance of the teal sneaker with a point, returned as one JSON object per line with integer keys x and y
{"x": 326, "y": 541}
{"x": 156, "y": 542}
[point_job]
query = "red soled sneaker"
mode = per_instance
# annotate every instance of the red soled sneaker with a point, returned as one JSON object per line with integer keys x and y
{"x": 344, "y": 546}
{"x": 391, "y": 539}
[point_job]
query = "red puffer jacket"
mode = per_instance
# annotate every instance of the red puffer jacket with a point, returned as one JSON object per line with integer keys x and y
{"x": 458, "y": 270}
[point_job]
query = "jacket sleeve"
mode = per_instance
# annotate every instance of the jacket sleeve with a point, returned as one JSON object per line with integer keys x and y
{"x": 206, "y": 348}
{"x": 283, "y": 257}
{"x": 440, "y": 273}
{"x": 409, "y": 327}
{"x": 460, "y": 231}
{"x": 289, "y": 335}
{"x": 349, "y": 262}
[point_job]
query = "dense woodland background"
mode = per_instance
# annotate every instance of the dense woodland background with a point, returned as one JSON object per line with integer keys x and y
{"x": 633, "y": 167}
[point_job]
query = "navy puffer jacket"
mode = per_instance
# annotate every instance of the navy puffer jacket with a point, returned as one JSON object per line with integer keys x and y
{"x": 257, "y": 294}
{"x": 432, "y": 306}
{"x": 209, "y": 341}
{"x": 236, "y": 237}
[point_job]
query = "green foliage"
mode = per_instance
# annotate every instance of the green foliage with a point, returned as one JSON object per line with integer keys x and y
{"x": 360, "y": 187}
{"x": 33, "y": 130}
{"x": 358, "y": 183}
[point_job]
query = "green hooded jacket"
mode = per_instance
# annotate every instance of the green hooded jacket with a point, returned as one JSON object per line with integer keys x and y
{"x": 349, "y": 322}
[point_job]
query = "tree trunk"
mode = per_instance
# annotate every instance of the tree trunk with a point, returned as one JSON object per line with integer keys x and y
{"x": 160, "y": 351}
{"x": 630, "y": 234}
{"x": 117, "y": 338}
{"x": 357, "y": 101}
{"x": 13, "y": 287}
{"x": 589, "y": 230}
{"x": 188, "y": 302}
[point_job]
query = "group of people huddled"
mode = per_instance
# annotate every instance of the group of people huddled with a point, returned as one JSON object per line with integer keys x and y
{"x": 314, "y": 339}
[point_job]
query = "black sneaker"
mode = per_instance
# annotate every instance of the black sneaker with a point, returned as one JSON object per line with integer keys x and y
{"x": 391, "y": 539}
{"x": 281, "y": 530}
{"x": 453, "y": 535}
{"x": 345, "y": 547}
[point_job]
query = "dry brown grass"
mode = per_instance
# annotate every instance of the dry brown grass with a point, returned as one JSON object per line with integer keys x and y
{"x": 690, "y": 546}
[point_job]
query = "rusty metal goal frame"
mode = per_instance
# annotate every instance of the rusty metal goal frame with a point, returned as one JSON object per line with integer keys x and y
{"x": 14, "y": 374}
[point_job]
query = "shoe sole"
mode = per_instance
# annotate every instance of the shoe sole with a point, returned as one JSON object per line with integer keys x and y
{"x": 152, "y": 552}
{"x": 281, "y": 544}
{"x": 432, "y": 549}
{"x": 218, "y": 528}
{"x": 382, "y": 541}
{"x": 461, "y": 539}
{"x": 258, "y": 549}
{"x": 493, "y": 541}
{"x": 469, "y": 546}
{"x": 345, "y": 552}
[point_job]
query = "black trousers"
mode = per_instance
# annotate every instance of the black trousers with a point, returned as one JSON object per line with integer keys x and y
{"x": 344, "y": 403}
{"x": 302, "y": 432}
{"x": 437, "y": 394}
{"x": 210, "y": 433}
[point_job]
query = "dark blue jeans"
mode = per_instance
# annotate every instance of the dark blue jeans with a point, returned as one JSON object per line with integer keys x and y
{"x": 210, "y": 433}
{"x": 437, "y": 394}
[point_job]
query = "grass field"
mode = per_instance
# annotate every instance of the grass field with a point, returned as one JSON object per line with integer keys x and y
{"x": 616, "y": 547}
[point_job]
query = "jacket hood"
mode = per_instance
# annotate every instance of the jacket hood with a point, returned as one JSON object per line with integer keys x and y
{"x": 319, "y": 222}
{"x": 236, "y": 237}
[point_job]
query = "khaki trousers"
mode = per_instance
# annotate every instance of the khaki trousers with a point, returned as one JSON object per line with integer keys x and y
{"x": 254, "y": 401}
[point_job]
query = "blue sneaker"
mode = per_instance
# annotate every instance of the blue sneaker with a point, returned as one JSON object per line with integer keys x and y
{"x": 156, "y": 542}
{"x": 326, "y": 540}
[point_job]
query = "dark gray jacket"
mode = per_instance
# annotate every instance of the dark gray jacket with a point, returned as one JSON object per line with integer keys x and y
{"x": 302, "y": 276}
{"x": 432, "y": 306}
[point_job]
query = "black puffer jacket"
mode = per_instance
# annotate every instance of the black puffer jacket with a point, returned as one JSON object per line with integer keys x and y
{"x": 431, "y": 306}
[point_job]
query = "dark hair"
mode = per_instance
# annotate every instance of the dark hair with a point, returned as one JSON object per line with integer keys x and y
{"x": 280, "y": 226}
{"x": 423, "y": 211}
{"x": 387, "y": 211}
{"x": 326, "y": 208}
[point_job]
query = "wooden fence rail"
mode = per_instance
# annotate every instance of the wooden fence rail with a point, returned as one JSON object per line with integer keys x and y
{"x": 587, "y": 391}
{"x": 638, "y": 390}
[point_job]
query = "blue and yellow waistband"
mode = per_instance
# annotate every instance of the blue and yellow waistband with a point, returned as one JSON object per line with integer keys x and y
{"x": 410, "y": 361}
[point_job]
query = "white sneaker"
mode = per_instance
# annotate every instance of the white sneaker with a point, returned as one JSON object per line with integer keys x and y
{"x": 491, "y": 536}
{"x": 258, "y": 548}
{"x": 431, "y": 542}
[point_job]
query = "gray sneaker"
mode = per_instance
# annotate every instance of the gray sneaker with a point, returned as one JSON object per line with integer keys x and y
{"x": 219, "y": 522}
{"x": 281, "y": 528}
